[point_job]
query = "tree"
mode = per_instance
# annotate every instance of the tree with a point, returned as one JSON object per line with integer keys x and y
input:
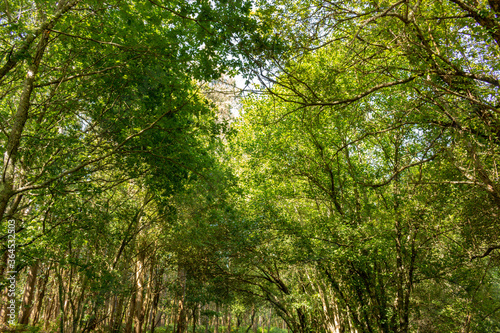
{"x": 100, "y": 98}
{"x": 377, "y": 108}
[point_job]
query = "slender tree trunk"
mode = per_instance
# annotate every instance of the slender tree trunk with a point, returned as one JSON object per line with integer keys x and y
{"x": 151, "y": 295}
{"x": 154, "y": 311}
{"x": 78, "y": 311}
{"x": 62, "y": 297}
{"x": 112, "y": 313}
{"x": 181, "y": 318}
{"x": 402, "y": 280}
{"x": 238, "y": 322}
{"x": 41, "y": 295}
{"x": 29, "y": 293}
{"x": 131, "y": 314}
{"x": 256, "y": 324}
{"x": 252, "y": 318}
{"x": 174, "y": 314}
{"x": 117, "y": 321}
{"x": 155, "y": 314}
{"x": 207, "y": 319}
{"x": 195, "y": 308}
{"x": 270, "y": 317}
{"x": 216, "y": 318}
{"x": 139, "y": 307}
{"x": 19, "y": 121}
{"x": 49, "y": 310}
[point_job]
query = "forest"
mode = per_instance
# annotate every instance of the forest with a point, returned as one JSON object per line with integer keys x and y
{"x": 250, "y": 166}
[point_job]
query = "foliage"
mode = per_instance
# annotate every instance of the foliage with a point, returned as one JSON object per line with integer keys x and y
{"x": 357, "y": 191}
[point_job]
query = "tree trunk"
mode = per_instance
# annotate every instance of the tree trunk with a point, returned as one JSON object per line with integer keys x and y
{"x": 19, "y": 121}
{"x": 48, "y": 312}
{"x": 270, "y": 317}
{"x": 154, "y": 311}
{"x": 194, "y": 318}
{"x": 139, "y": 292}
{"x": 29, "y": 293}
{"x": 251, "y": 319}
{"x": 207, "y": 319}
{"x": 181, "y": 317}
{"x": 130, "y": 319}
{"x": 62, "y": 297}
{"x": 116, "y": 315}
{"x": 78, "y": 308}
{"x": 216, "y": 318}
{"x": 42, "y": 286}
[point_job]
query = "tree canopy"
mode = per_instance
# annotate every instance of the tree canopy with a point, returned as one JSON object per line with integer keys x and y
{"x": 352, "y": 188}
